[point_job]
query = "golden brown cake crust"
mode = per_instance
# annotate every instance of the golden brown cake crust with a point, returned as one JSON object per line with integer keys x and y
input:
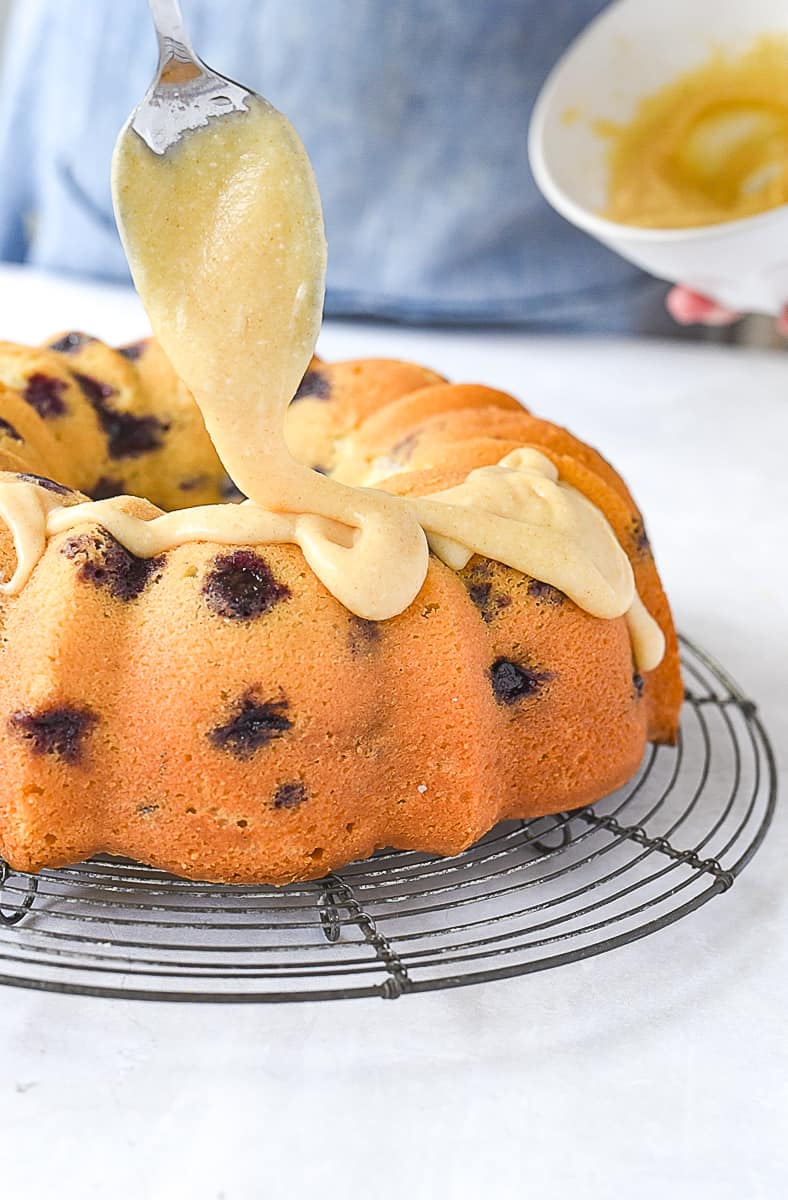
{"x": 216, "y": 712}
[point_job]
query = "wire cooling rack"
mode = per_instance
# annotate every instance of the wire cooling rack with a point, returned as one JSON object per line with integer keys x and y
{"x": 530, "y": 895}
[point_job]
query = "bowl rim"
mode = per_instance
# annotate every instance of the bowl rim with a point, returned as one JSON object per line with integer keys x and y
{"x": 594, "y": 223}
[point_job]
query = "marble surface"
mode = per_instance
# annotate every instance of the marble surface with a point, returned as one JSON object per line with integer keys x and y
{"x": 657, "y": 1070}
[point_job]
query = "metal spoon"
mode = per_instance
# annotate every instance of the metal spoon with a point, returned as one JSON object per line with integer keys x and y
{"x": 185, "y": 93}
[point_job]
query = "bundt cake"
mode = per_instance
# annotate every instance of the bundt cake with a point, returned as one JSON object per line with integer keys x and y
{"x": 215, "y": 711}
{"x": 433, "y": 611}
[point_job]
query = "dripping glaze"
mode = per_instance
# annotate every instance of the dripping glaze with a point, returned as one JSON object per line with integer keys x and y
{"x": 224, "y": 237}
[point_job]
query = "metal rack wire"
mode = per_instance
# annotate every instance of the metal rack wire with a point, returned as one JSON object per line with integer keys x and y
{"x": 530, "y": 895}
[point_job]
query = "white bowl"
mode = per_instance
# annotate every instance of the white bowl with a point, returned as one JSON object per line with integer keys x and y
{"x": 631, "y": 50}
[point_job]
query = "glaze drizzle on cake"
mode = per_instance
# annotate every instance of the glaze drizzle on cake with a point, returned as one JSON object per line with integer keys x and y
{"x": 224, "y": 236}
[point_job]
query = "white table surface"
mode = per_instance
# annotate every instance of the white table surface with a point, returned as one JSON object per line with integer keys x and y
{"x": 660, "y": 1070}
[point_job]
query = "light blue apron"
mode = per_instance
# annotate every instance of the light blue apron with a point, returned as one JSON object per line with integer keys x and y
{"x": 414, "y": 112}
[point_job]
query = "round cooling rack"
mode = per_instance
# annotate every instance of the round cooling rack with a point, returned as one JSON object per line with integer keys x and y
{"x": 530, "y": 895}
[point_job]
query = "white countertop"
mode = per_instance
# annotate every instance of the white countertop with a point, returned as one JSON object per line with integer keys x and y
{"x": 658, "y": 1070}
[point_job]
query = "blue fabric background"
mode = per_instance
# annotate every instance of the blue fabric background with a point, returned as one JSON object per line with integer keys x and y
{"x": 415, "y": 115}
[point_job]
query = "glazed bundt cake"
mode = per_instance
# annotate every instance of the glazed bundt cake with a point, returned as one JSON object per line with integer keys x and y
{"x": 215, "y": 711}
{"x": 434, "y": 610}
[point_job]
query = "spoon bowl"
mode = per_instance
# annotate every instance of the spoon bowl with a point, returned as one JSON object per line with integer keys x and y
{"x": 185, "y": 93}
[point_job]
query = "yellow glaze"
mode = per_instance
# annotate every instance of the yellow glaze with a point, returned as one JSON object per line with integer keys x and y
{"x": 224, "y": 236}
{"x": 712, "y": 146}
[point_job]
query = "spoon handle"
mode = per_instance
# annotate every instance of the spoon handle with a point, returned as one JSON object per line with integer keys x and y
{"x": 185, "y": 94}
{"x": 170, "y": 27}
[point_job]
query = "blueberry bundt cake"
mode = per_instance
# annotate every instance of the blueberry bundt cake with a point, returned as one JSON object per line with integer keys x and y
{"x": 215, "y": 711}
